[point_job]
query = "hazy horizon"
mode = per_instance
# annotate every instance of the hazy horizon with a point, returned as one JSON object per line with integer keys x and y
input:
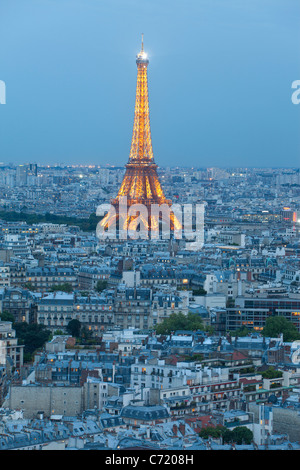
{"x": 220, "y": 77}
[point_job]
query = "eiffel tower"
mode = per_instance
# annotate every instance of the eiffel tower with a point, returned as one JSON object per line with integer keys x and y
{"x": 140, "y": 185}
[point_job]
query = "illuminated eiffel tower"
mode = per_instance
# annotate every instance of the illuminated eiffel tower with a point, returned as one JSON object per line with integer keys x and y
{"x": 140, "y": 185}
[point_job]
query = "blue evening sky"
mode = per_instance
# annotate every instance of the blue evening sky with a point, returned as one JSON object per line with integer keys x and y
{"x": 219, "y": 77}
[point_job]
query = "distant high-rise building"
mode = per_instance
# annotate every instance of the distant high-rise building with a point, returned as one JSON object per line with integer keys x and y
{"x": 288, "y": 178}
{"x": 32, "y": 169}
{"x": 21, "y": 175}
{"x": 288, "y": 215}
{"x": 32, "y": 179}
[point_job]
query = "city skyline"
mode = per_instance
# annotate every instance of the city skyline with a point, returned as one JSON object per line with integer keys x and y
{"x": 220, "y": 90}
{"x": 149, "y": 296}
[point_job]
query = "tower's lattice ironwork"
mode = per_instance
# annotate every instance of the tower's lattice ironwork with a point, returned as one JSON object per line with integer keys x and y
{"x": 140, "y": 184}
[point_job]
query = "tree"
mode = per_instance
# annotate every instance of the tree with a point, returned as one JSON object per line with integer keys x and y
{"x": 277, "y": 325}
{"x": 7, "y": 316}
{"x": 197, "y": 357}
{"x": 239, "y": 435}
{"x": 179, "y": 321}
{"x": 272, "y": 373}
{"x": 64, "y": 287}
{"x": 243, "y": 331}
{"x": 29, "y": 286}
{"x": 101, "y": 285}
{"x": 199, "y": 291}
{"x": 86, "y": 335}
{"x": 33, "y": 336}
{"x": 74, "y": 327}
{"x": 212, "y": 431}
{"x": 58, "y": 333}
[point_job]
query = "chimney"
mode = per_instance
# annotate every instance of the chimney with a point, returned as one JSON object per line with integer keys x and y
{"x": 182, "y": 428}
{"x": 175, "y": 429}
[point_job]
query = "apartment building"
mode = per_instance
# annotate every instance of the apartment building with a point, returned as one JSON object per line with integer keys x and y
{"x": 209, "y": 388}
{"x": 252, "y": 312}
{"x": 43, "y": 278}
{"x": 57, "y": 309}
{"x": 9, "y": 347}
{"x": 88, "y": 276}
{"x": 164, "y": 304}
{"x": 132, "y": 307}
{"x": 19, "y": 302}
{"x": 4, "y": 276}
{"x": 17, "y": 271}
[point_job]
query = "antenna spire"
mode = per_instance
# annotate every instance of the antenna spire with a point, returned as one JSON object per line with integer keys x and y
{"x": 142, "y": 42}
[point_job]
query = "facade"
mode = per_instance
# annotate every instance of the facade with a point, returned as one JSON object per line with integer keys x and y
{"x": 17, "y": 271}
{"x": 252, "y": 312}
{"x": 216, "y": 391}
{"x": 157, "y": 275}
{"x": 65, "y": 400}
{"x": 132, "y": 307}
{"x": 88, "y": 276}
{"x": 137, "y": 415}
{"x": 9, "y": 347}
{"x": 291, "y": 275}
{"x": 261, "y": 390}
{"x": 4, "y": 276}
{"x": 96, "y": 312}
{"x": 187, "y": 389}
{"x": 123, "y": 307}
{"x": 157, "y": 375}
{"x": 19, "y": 302}
{"x": 17, "y": 244}
{"x": 232, "y": 238}
{"x": 3, "y": 380}
{"x": 50, "y": 400}
{"x": 56, "y": 310}
{"x": 164, "y": 305}
{"x": 43, "y": 278}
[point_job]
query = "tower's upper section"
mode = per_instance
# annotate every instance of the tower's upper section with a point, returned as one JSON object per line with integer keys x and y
{"x": 141, "y": 146}
{"x": 142, "y": 57}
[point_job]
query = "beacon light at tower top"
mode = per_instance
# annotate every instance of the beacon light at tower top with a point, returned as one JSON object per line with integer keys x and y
{"x": 142, "y": 56}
